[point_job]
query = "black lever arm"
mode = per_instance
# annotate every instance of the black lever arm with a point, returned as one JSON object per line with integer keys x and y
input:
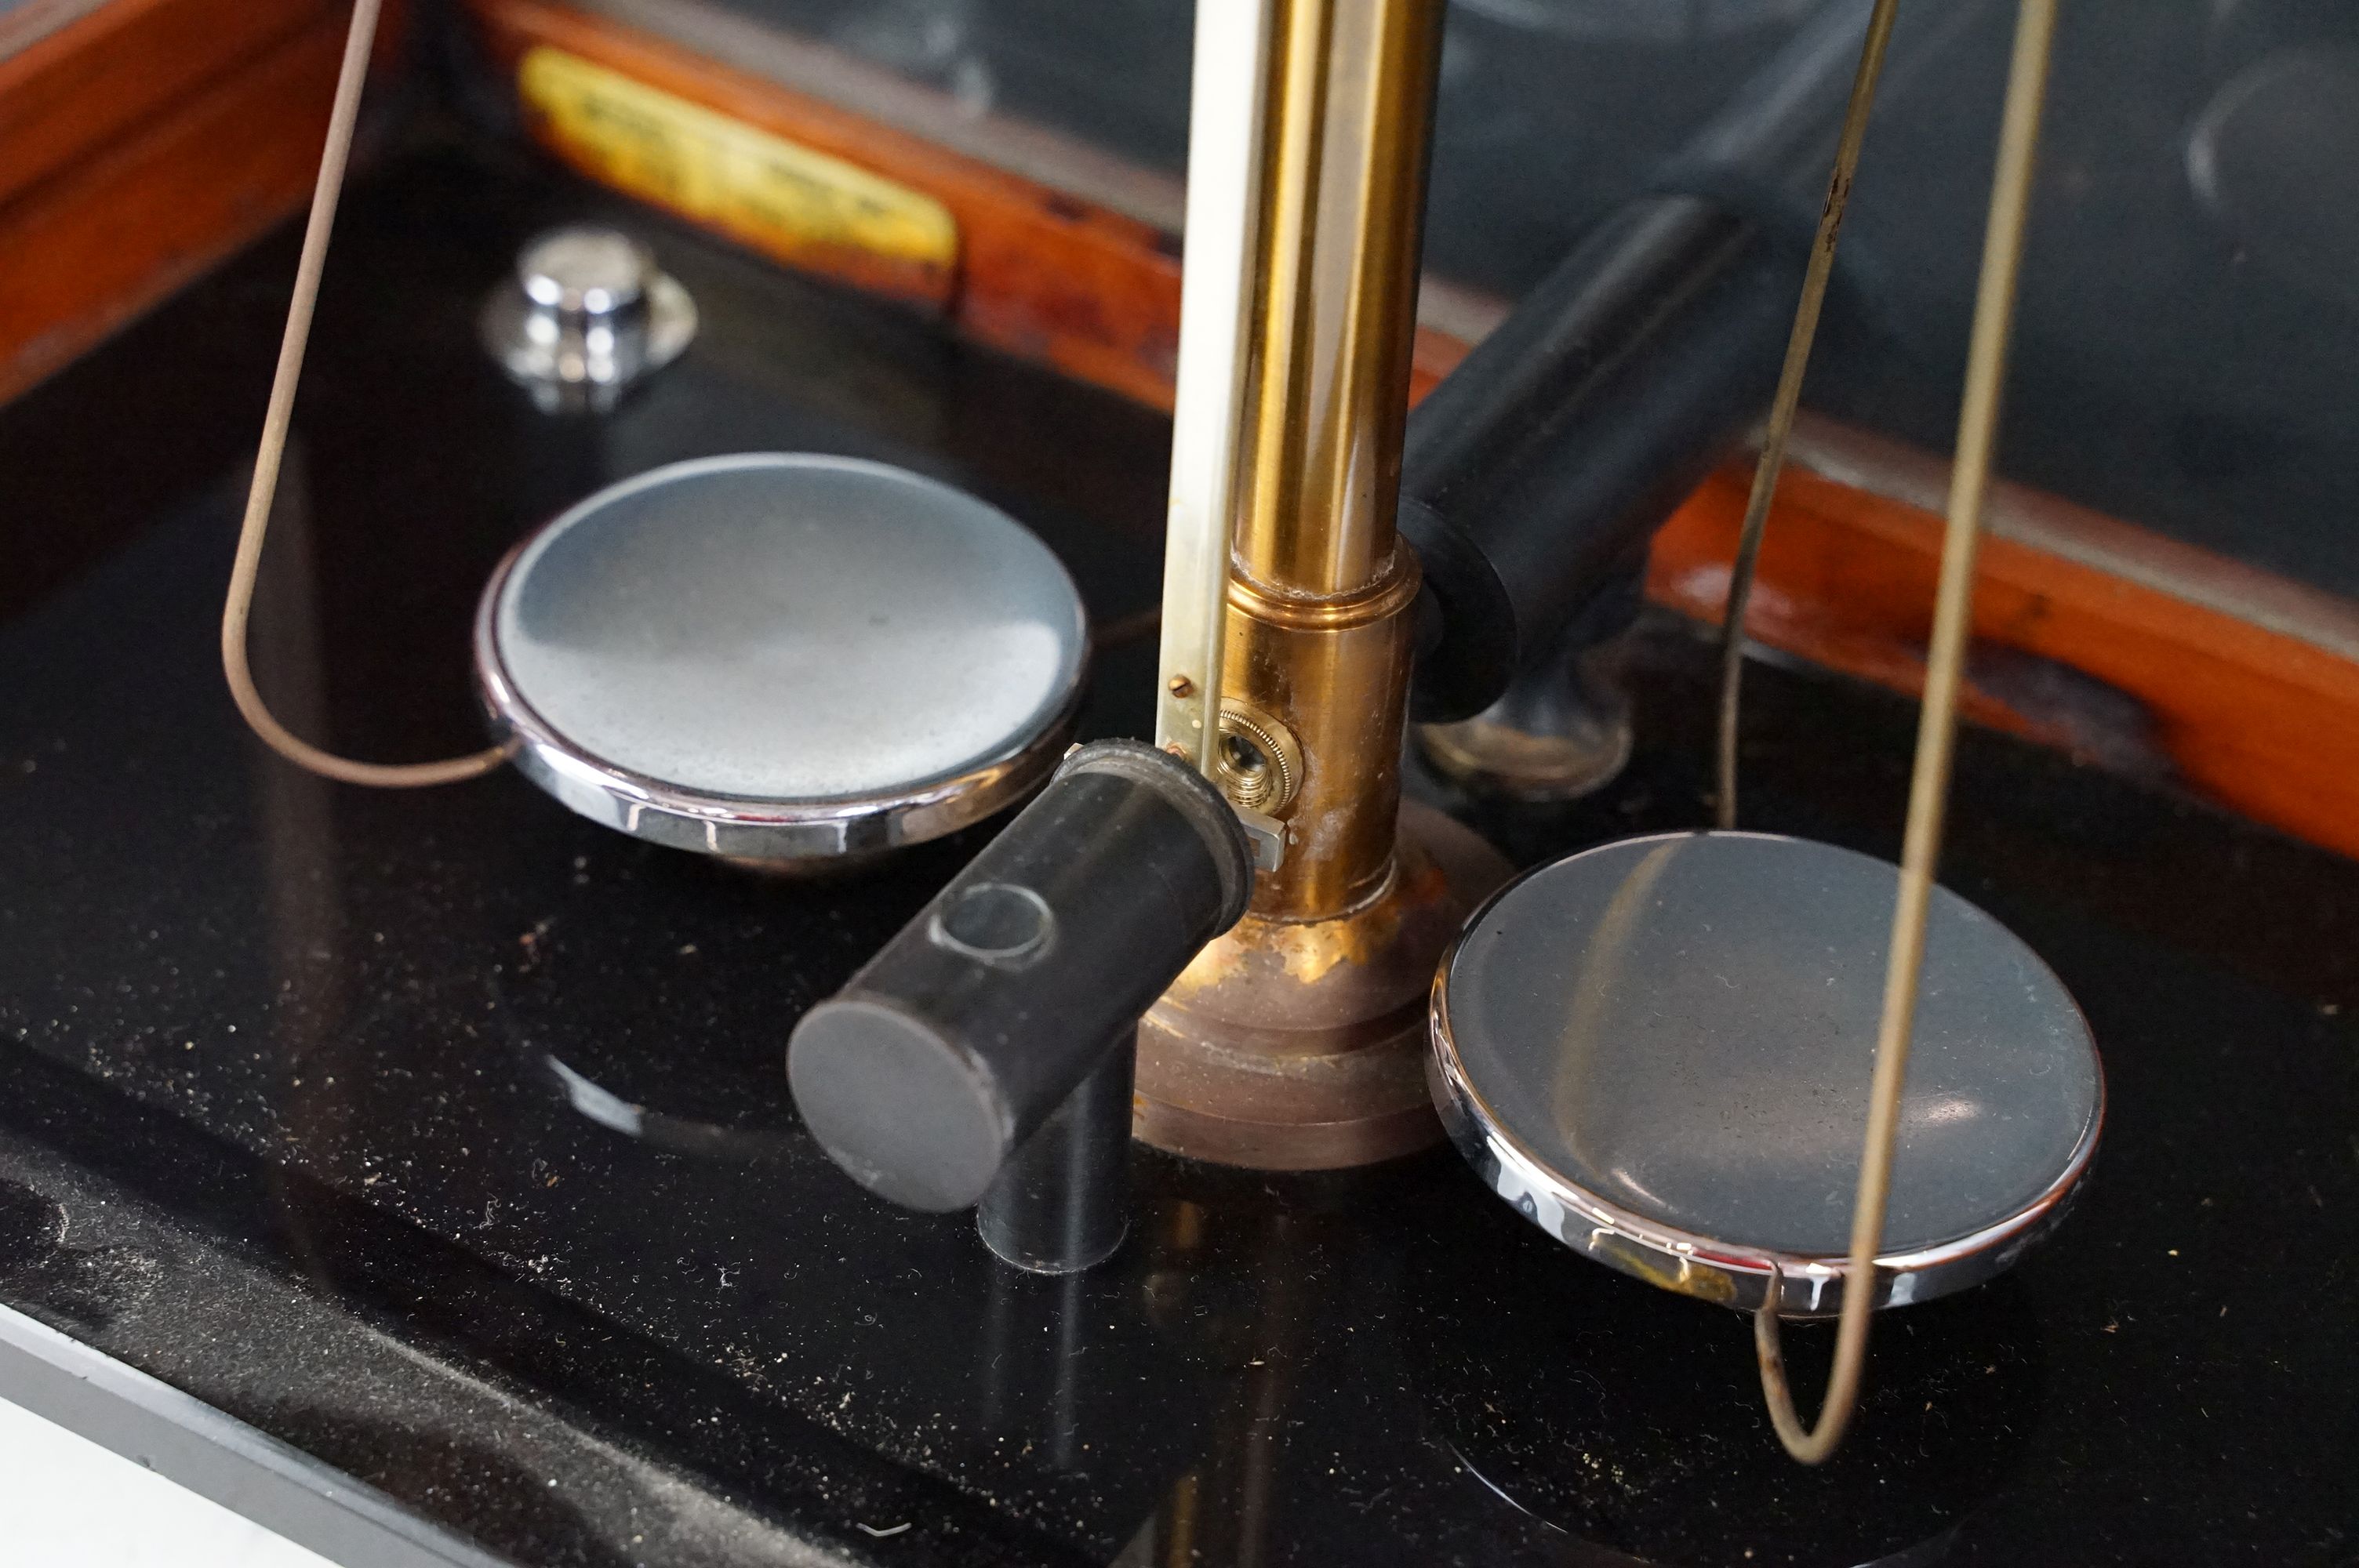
{"x": 1531, "y": 474}
{"x": 1011, "y": 1000}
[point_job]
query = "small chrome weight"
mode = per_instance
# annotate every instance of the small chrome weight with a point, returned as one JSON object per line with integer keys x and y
{"x": 587, "y": 314}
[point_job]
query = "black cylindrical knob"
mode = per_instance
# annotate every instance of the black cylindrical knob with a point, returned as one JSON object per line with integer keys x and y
{"x": 1569, "y": 434}
{"x": 974, "y": 1024}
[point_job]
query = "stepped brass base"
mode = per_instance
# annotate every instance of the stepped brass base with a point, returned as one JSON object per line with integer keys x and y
{"x": 1301, "y": 1046}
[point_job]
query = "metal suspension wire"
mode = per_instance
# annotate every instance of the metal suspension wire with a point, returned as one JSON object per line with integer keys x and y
{"x": 1790, "y": 396}
{"x": 1936, "y": 731}
{"x": 239, "y": 605}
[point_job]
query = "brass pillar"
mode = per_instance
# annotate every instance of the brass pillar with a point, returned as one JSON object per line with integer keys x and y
{"x": 1318, "y": 628}
{"x": 1295, "y": 1041}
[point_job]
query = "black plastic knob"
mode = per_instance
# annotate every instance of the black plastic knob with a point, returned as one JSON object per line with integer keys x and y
{"x": 958, "y": 1041}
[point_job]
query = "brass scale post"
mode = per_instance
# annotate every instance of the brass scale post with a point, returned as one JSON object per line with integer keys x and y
{"x": 1295, "y": 1042}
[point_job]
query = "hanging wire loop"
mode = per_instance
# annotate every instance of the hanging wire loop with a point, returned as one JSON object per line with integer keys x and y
{"x": 238, "y": 606}
{"x": 1929, "y": 785}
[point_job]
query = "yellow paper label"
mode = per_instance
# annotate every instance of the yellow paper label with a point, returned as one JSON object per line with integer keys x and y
{"x": 724, "y": 172}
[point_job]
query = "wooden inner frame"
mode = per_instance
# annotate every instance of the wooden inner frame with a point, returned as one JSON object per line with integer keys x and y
{"x": 2117, "y": 646}
{"x": 142, "y": 140}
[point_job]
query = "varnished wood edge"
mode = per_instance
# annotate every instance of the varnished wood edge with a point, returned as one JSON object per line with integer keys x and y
{"x": 94, "y": 245}
{"x": 120, "y": 69}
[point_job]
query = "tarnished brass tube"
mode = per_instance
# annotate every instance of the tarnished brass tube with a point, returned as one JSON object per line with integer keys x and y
{"x": 1318, "y": 632}
{"x": 1343, "y": 202}
{"x": 1296, "y": 1040}
{"x": 1334, "y": 673}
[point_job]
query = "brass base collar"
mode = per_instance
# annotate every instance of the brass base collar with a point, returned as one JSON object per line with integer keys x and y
{"x": 1299, "y": 1045}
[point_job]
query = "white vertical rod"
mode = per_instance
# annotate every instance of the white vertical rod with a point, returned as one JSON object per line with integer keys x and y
{"x": 1225, "y": 164}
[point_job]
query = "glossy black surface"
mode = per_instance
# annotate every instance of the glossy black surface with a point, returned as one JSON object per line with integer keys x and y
{"x": 287, "y": 1048}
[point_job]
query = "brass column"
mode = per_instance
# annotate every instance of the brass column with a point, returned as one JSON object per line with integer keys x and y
{"x": 1318, "y": 626}
{"x": 1296, "y": 1040}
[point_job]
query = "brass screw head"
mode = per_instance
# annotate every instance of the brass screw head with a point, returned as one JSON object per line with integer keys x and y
{"x": 1258, "y": 762}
